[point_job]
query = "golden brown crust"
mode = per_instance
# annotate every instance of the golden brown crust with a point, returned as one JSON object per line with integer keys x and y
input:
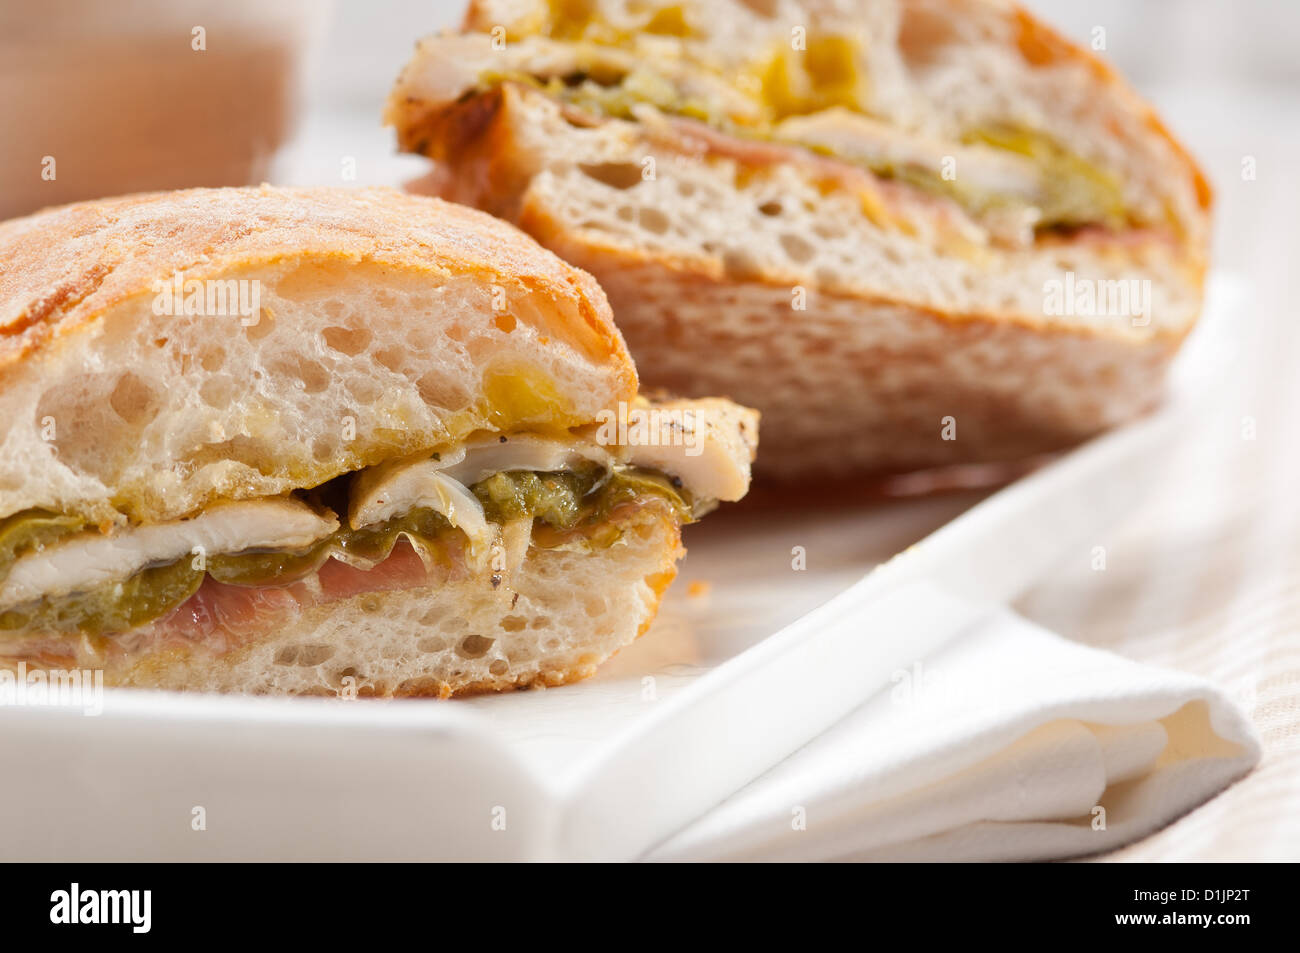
{"x": 1041, "y": 45}
{"x": 65, "y": 267}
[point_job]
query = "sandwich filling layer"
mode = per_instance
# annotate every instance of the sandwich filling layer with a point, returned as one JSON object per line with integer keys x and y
{"x": 1006, "y": 171}
{"x": 1013, "y": 181}
{"x": 475, "y": 508}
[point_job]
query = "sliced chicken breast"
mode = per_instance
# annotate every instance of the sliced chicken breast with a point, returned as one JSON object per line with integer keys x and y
{"x": 89, "y": 560}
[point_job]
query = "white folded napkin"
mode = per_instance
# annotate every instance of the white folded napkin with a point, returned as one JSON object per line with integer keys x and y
{"x": 1007, "y": 743}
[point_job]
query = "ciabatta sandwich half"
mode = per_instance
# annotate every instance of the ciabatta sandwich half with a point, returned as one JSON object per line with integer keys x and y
{"x": 912, "y": 233}
{"x": 324, "y": 441}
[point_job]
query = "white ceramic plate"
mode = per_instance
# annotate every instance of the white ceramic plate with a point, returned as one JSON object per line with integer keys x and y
{"x": 726, "y": 683}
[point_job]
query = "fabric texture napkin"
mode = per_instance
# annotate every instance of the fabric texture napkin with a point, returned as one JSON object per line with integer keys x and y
{"x": 1008, "y": 743}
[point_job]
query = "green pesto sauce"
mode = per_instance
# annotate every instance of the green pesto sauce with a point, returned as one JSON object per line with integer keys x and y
{"x": 32, "y": 530}
{"x": 116, "y": 607}
{"x": 583, "y": 496}
{"x": 267, "y": 568}
{"x": 628, "y": 485}
{"x": 376, "y": 542}
{"x": 372, "y": 543}
{"x": 555, "y": 498}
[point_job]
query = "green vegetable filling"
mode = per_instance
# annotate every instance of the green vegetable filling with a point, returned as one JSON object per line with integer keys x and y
{"x": 116, "y": 607}
{"x": 31, "y": 531}
{"x": 555, "y": 498}
{"x": 565, "y": 500}
{"x": 1074, "y": 191}
{"x": 371, "y": 543}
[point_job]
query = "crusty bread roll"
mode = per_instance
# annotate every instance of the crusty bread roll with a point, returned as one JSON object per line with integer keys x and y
{"x": 390, "y": 477}
{"x": 879, "y": 222}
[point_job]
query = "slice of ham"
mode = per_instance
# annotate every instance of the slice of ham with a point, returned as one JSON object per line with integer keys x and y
{"x": 221, "y": 617}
